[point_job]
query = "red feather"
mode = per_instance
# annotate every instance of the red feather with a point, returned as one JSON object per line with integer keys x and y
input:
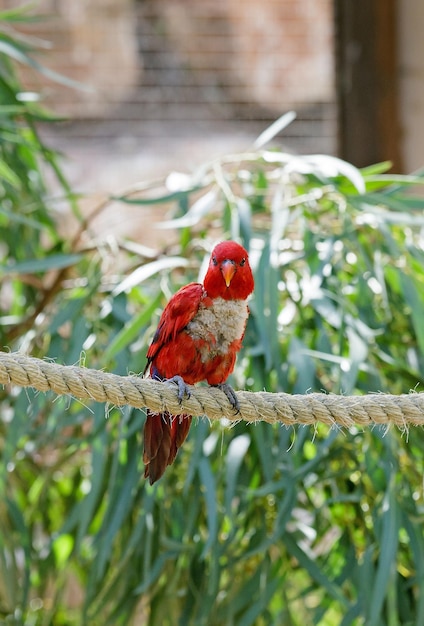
{"x": 199, "y": 334}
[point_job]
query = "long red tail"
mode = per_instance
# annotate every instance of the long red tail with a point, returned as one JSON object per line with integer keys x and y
{"x": 164, "y": 434}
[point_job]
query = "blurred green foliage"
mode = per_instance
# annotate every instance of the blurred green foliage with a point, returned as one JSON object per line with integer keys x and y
{"x": 256, "y": 525}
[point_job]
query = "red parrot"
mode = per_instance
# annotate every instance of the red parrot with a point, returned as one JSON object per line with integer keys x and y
{"x": 199, "y": 334}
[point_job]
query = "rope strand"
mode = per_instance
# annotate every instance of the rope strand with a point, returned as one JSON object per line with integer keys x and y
{"x": 88, "y": 384}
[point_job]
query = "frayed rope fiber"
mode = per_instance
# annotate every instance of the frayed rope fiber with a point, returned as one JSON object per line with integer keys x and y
{"x": 88, "y": 384}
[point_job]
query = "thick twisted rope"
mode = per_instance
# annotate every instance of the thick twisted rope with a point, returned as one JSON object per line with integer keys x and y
{"x": 88, "y": 384}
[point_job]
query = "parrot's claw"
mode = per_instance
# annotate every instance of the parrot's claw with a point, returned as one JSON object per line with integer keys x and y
{"x": 231, "y": 395}
{"x": 183, "y": 389}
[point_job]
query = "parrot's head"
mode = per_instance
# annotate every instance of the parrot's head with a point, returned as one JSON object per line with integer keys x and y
{"x": 229, "y": 275}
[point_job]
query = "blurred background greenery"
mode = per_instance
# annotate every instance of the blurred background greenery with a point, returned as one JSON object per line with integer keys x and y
{"x": 253, "y": 525}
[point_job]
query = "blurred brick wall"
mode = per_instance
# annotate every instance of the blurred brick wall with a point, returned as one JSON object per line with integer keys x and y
{"x": 92, "y": 42}
{"x": 195, "y": 60}
{"x": 227, "y": 60}
{"x": 266, "y": 52}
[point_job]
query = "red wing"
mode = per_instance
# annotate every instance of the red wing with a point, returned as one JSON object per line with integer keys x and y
{"x": 179, "y": 311}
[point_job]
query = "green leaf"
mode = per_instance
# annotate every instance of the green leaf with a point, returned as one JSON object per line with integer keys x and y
{"x": 415, "y": 302}
{"x": 236, "y": 452}
{"x": 7, "y": 174}
{"x": 144, "y": 272}
{"x": 62, "y": 548}
{"x": 19, "y": 14}
{"x": 388, "y": 542}
{"x": 174, "y": 196}
{"x": 312, "y": 569}
{"x": 208, "y": 482}
{"x": 33, "y": 266}
{"x": 276, "y": 127}
{"x": 131, "y": 330}
{"x": 13, "y": 50}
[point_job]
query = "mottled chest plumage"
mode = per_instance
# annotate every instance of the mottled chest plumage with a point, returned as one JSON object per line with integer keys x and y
{"x": 217, "y": 324}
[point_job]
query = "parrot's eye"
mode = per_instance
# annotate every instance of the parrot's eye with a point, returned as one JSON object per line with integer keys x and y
{"x": 242, "y": 262}
{"x": 214, "y": 261}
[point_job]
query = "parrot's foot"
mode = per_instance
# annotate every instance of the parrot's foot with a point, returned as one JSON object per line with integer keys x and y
{"x": 231, "y": 395}
{"x": 183, "y": 389}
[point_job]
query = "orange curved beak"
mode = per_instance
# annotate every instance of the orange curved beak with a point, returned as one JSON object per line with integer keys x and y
{"x": 228, "y": 270}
